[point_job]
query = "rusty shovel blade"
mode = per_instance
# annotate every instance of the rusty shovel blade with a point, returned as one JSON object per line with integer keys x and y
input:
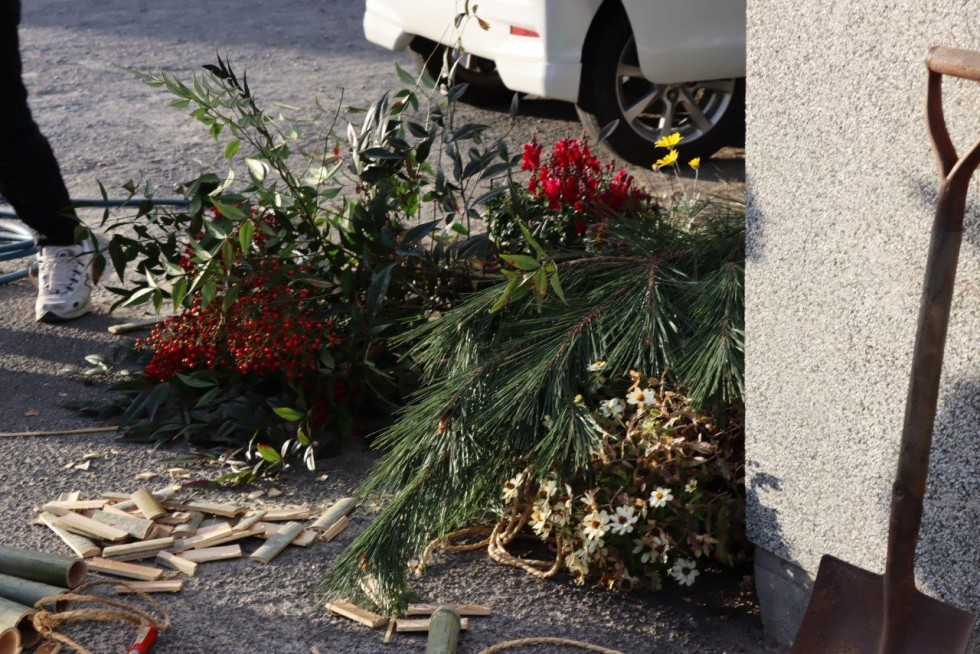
{"x": 846, "y": 611}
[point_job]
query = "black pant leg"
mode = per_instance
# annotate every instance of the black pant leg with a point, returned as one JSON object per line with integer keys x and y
{"x": 30, "y": 179}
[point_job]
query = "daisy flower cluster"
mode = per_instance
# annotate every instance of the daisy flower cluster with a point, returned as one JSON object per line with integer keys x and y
{"x": 663, "y": 497}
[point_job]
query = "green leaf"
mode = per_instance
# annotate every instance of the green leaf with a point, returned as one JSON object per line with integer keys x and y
{"x": 556, "y": 286}
{"x": 288, "y": 414}
{"x": 268, "y": 453}
{"x": 404, "y": 75}
{"x": 178, "y": 292}
{"x": 194, "y": 381}
{"x": 245, "y": 233}
{"x": 232, "y": 148}
{"x": 521, "y": 261}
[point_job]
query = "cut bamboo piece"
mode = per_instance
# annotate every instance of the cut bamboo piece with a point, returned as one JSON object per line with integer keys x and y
{"x": 444, "y": 627}
{"x": 126, "y": 570}
{"x": 254, "y": 532}
{"x": 80, "y": 545}
{"x": 287, "y": 514}
{"x": 148, "y": 505}
{"x": 227, "y": 510}
{"x": 205, "y": 537}
{"x": 111, "y": 508}
{"x": 335, "y": 529}
{"x": 54, "y": 569}
{"x": 177, "y": 563}
{"x": 278, "y": 542}
{"x": 177, "y": 518}
{"x": 391, "y": 631}
{"x": 269, "y": 529}
{"x": 79, "y": 524}
{"x": 250, "y": 519}
{"x": 341, "y": 508}
{"x": 134, "y": 548}
{"x": 415, "y": 625}
{"x": 126, "y": 503}
{"x": 10, "y": 641}
{"x": 74, "y": 505}
{"x": 17, "y": 616}
{"x": 165, "y": 586}
{"x": 213, "y": 554}
{"x": 189, "y": 527}
{"x": 26, "y": 592}
{"x": 161, "y": 531}
{"x": 461, "y": 609}
{"x": 135, "y": 527}
{"x": 357, "y": 614}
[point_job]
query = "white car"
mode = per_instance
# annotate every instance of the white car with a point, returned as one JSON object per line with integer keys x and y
{"x": 656, "y": 66}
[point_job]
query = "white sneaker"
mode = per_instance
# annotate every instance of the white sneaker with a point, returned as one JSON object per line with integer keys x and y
{"x": 65, "y": 280}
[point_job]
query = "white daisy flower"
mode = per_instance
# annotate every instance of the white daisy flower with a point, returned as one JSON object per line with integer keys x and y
{"x": 595, "y": 524}
{"x": 612, "y": 408}
{"x": 660, "y": 497}
{"x": 641, "y": 396}
{"x": 684, "y": 571}
{"x": 548, "y": 487}
{"x": 512, "y": 487}
{"x": 691, "y": 485}
{"x": 597, "y": 366}
{"x": 623, "y": 520}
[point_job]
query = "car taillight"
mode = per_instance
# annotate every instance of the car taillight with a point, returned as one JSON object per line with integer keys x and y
{"x": 521, "y": 31}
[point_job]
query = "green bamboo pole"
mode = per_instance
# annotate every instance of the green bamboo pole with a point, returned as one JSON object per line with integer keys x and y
{"x": 17, "y": 616}
{"x": 24, "y": 591}
{"x": 54, "y": 569}
{"x": 9, "y": 641}
{"x": 443, "y": 631}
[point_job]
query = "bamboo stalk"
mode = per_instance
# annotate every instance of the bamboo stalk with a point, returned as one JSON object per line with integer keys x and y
{"x": 278, "y": 542}
{"x": 148, "y": 505}
{"x": 213, "y": 553}
{"x": 341, "y": 508}
{"x": 26, "y": 592}
{"x": 135, "y": 527}
{"x": 126, "y": 570}
{"x": 444, "y": 626}
{"x": 80, "y": 545}
{"x": 17, "y": 616}
{"x": 54, "y": 569}
{"x": 10, "y": 641}
{"x": 135, "y": 325}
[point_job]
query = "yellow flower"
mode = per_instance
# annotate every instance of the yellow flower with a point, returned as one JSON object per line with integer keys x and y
{"x": 670, "y": 158}
{"x": 668, "y": 141}
{"x": 694, "y": 163}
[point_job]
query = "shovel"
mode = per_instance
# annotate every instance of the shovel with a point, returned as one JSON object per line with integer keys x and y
{"x": 851, "y": 610}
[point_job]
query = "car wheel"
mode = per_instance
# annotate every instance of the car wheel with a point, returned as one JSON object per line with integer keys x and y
{"x": 485, "y": 86}
{"x": 708, "y": 115}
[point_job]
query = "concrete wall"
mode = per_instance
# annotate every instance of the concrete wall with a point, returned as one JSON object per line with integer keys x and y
{"x": 842, "y": 187}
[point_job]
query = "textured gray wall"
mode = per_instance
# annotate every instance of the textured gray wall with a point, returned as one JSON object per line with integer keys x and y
{"x": 842, "y": 185}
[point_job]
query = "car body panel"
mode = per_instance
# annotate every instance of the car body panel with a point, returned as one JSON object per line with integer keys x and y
{"x": 676, "y": 41}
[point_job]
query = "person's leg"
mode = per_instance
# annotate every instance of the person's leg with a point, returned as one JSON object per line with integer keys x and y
{"x": 30, "y": 179}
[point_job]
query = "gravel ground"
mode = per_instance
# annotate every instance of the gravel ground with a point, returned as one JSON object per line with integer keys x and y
{"x": 106, "y": 126}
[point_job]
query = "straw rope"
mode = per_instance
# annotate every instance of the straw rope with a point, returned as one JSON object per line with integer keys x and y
{"x": 47, "y": 622}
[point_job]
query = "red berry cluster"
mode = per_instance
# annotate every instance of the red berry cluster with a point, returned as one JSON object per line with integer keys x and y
{"x": 573, "y": 177}
{"x": 269, "y": 329}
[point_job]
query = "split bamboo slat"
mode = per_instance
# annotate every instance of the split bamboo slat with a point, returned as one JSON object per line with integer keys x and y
{"x": 73, "y": 505}
{"x": 287, "y": 514}
{"x": 278, "y": 542}
{"x": 54, "y": 569}
{"x": 148, "y": 505}
{"x": 341, "y": 508}
{"x": 227, "y": 510}
{"x": 461, "y": 609}
{"x": 164, "y": 586}
{"x": 415, "y": 625}
{"x": 250, "y": 519}
{"x": 139, "y": 547}
{"x": 357, "y": 614}
{"x": 80, "y": 545}
{"x": 213, "y": 553}
{"x": 89, "y": 528}
{"x": 335, "y": 529}
{"x": 177, "y": 563}
{"x": 126, "y": 570}
{"x": 135, "y": 527}
{"x": 188, "y": 528}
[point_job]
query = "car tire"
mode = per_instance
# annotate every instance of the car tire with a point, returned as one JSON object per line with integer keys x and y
{"x": 709, "y": 115}
{"x": 485, "y": 86}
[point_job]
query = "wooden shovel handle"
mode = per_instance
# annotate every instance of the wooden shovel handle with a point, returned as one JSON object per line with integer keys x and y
{"x": 955, "y": 62}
